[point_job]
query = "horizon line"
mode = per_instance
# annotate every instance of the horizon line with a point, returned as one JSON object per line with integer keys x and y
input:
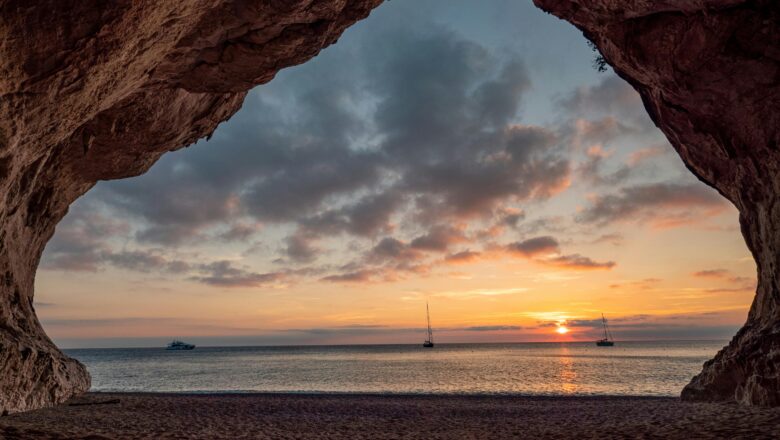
{"x": 403, "y": 344}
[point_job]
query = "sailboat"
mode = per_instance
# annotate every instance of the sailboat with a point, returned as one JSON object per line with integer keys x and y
{"x": 428, "y": 342}
{"x": 607, "y": 341}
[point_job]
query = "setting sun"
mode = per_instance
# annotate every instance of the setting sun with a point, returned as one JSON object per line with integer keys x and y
{"x": 562, "y": 330}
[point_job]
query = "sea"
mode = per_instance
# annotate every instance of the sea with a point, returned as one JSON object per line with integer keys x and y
{"x": 628, "y": 368}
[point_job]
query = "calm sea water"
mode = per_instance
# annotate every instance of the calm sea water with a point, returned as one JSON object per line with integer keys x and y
{"x": 629, "y": 368}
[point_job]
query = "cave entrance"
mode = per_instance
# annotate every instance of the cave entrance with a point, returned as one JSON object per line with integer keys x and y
{"x": 494, "y": 173}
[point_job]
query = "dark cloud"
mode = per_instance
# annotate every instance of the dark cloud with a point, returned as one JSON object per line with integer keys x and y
{"x": 439, "y": 238}
{"x": 579, "y": 262}
{"x": 225, "y": 274}
{"x": 658, "y": 201}
{"x": 359, "y": 276}
{"x": 79, "y": 243}
{"x": 145, "y": 261}
{"x": 610, "y": 98}
{"x": 366, "y": 217}
{"x": 82, "y": 245}
{"x": 534, "y": 246}
{"x": 391, "y": 249}
{"x": 240, "y": 231}
{"x": 408, "y": 129}
{"x": 439, "y": 143}
{"x": 510, "y": 216}
{"x": 300, "y": 247}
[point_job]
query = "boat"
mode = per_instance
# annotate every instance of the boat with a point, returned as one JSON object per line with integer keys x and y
{"x": 179, "y": 345}
{"x": 428, "y": 342}
{"x": 607, "y": 341}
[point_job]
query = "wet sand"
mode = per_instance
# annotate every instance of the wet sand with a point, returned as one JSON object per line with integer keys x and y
{"x": 305, "y": 416}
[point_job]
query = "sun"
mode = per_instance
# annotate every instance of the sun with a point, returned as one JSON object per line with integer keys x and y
{"x": 562, "y": 330}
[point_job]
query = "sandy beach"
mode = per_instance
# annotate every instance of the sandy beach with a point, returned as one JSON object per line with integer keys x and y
{"x": 293, "y": 416}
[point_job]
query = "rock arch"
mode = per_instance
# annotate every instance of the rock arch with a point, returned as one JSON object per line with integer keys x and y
{"x": 91, "y": 90}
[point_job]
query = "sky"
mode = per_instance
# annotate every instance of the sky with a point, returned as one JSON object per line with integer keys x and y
{"x": 460, "y": 154}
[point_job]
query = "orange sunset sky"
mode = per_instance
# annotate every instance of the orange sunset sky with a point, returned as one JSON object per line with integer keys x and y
{"x": 466, "y": 156}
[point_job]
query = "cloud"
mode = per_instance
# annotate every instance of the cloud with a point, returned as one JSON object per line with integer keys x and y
{"x": 145, "y": 261}
{"x": 466, "y": 256}
{"x": 579, "y": 262}
{"x": 610, "y": 97}
{"x": 661, "y": 203}
{"x": 79, "y": 243}
{"x": 590, "y": 133}
{"x": 738, "y": 279}
{"x": 359, "y": 276}
{"x": 647, "y": 153}
{"x": 490, "y": 328}
{"x": 438, "y": 145}
{"x": 390, "y": 153}
{"x": 392, "y": 249}
{"x": 591, "y": 169}
{"x": 711, "y": 273}
{"x": 612, "y": 238}
{"x": 748, "y": 283}
{"x": 534, "y": 246}
{"x": 225, "y": 274}
{"x": 643, "y": 284}
{"x": 240, "y": 231}
{"x": 368, "y": 216}
{"x": 300, "y": 247}
{"x": 439, "y": 238}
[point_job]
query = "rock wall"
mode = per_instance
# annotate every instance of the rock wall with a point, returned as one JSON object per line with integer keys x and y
{"x": 93, "y": 90}
{"x": 709, "y": 75}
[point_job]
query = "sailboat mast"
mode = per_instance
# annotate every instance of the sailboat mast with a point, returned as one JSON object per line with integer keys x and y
{"x": 604, "y": 320}
{"x": 428, "y": 315}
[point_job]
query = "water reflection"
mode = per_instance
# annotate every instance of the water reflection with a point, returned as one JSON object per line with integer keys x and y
{"x": 567, "y": 373}
{"x": 649, "y": 368}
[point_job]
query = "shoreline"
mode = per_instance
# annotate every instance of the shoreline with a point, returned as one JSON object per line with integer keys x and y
{"x": 380, "y": 394}
{"x": 104, "y": 415}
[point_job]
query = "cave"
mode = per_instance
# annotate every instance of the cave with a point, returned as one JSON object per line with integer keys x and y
{"x": 95, "y": 91}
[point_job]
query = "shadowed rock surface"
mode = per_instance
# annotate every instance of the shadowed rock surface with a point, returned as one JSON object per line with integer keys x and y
{"x": 709, "y": 75}
{"x": 93, "y": 90}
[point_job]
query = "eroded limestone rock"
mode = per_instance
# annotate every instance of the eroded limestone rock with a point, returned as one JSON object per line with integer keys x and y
{"x": 93, "y": 90}
{"x": 709, "y": 75}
